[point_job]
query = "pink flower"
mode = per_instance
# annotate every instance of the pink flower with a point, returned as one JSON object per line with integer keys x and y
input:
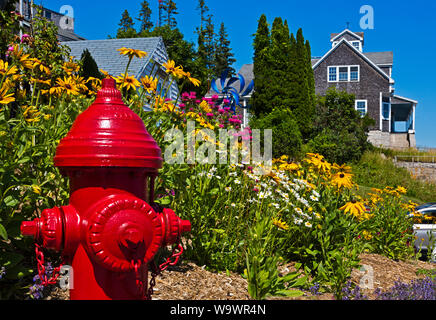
{"x": 198, "y": 101}
{"x": 227, "y": 108}
{"x": 182, "y": 105}
{"x": 221, "y": 111}
{"x": 24, "y": 37}
{"x": 215, "y": 97}
{"x": 209, "y": 114}
{"x": 226, "y": 101}
{"x": 221, "y": 125}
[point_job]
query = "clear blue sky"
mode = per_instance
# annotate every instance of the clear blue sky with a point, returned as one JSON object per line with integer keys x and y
{"x": 405, "y": 27}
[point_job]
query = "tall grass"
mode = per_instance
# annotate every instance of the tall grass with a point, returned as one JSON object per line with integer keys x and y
{"x": 375, "y": 171}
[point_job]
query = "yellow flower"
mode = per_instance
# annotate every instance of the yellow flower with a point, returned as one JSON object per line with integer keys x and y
{"x": 47, "y": 82}
{"x": 23, "y": 59}
{"x": 149, "y": 84}
{"x": 366, "y": 235}
{"x": 5, "y": 69}
{"x": 205, "y": 106}
{"x": 132, "y": 52}
{"x": 67, "y": 85}
{"x": 353, "y": 207}
{"x": 31, "y": 114}
{"x": 318, "y": 161}
{"x": 170, "y": 67}
{"x": 341, "y": 168}
{"x": 36, "y": 189}
{"x": 106, "y": 74}
{"x": 37, "y": 64}
{"x": 280, "y": 224}
{"x": 127, "y": 81}
{"x": 194, "y": 81}
{"x": 6, "y": 98}
{"x": 342, "y": 179}
{"x": 401, "y": 190}
{"x": 69, "y": 67}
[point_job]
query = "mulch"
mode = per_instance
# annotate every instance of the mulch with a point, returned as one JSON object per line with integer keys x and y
{"x": 188, "y": 281}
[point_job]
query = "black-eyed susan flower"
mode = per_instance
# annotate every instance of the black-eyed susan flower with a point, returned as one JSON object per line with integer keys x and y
{"x": 132, "y": 52}
{"x": 194, "y": 81}
{"x": 354, "y": 207}
{"x": 67, "y": 85}
{"x": 280, "y": 224}
{"x": 69, "y": 67}
{"x": 126, "y": 81}
{"x": 170, "y": 67}
{"x": 342, "y": 179}
{"x": 149, "y": 84}
{"x": 6, "y": 97}
{"x": 6, "y": 69}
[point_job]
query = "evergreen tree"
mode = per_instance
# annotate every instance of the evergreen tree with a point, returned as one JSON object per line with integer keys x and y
{"x": 302, "y": 100}
{"x": 170, "y": 9}
{"x": 223, "y": 54}
{"x": 126, "y": 24}
{"x": 261, "y": 44}
{"x": 145, "y": 17}
{"x": 89, "y": 66}
{"x": 203, "y": 10}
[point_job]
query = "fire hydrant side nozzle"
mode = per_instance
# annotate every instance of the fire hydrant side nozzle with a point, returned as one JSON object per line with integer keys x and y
{"x": 110, "y": 231}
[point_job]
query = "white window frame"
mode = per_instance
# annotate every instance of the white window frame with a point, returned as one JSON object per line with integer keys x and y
{"x": 366, "y": 105}
{"x": 389, "y": 114}
{"x": 348, "y": 76}
{"x": 359, "y": 42}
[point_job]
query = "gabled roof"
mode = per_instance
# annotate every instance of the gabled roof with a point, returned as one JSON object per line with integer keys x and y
{"x": 399, "y": 99}
{"x": 109, "y": 59}
{"x": 381, "y": 58}
{"x": 345, "y": 42}
{"x": 358, "y": 35}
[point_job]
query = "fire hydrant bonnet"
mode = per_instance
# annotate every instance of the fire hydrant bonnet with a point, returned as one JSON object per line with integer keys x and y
{"x": 108, "y": 134}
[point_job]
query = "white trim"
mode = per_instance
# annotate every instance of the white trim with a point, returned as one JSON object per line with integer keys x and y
{"x": 406, "y": 99}
{"x": 349, "y": 31}
{"x": 361, "y": 100}
{"x": 380, "y": 111}
{"x": 413, "y": 124}
{"x": 360, "y": 44}
{"x": 391, "y": 81}
{"x": 348, "y": 73}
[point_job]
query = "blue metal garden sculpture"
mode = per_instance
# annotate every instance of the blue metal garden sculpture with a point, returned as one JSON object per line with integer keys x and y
{"x": 230, "y": 93}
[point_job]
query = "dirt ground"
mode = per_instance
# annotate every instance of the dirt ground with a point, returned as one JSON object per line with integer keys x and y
{"x": 187, "y": 281}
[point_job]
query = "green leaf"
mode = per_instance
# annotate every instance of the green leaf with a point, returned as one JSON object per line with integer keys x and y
{"x": 3, "y": 232}
{"x": 10, "y": 201}
{"x": 289, "y": 293}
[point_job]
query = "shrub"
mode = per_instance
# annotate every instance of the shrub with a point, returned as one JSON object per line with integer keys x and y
{"x": 285, "y": 132}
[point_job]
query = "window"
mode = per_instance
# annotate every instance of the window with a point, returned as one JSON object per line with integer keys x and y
{"x": 343, "y": 73}
{"x": 354, "y": 73}
{"x": 360, "y": 106}
{"x": 332, "y": 73}
{"x": 386, "y": 110}
{"x": 356, "y": 44}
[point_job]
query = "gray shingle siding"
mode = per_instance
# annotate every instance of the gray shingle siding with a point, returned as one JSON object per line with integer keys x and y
{"x": 368, "y": 88}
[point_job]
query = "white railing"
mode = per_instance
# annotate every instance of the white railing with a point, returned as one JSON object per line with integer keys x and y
{"x": 410, "y": 158}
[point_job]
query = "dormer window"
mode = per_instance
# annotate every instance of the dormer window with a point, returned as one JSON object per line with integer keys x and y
{"x": 357, "y": 45}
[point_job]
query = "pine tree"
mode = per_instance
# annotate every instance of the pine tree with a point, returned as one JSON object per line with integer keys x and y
{"x": 145, "y": 17}
{"x": 302, "y": 101}
{"x": 224, "y": 58}
{"x": 126, "y": 24}
{"x": 261, "y": 45}
{"x": 170, "y": 9}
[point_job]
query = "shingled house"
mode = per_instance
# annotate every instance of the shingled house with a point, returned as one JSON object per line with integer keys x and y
{"x": 105, "y": 54}
{"x": 368, "y": 75}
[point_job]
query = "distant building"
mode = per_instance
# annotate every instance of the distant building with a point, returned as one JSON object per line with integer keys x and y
{"x": 368, "y": 75}
{"x": 64, "y": 23}
{"x": 105, "y": 54}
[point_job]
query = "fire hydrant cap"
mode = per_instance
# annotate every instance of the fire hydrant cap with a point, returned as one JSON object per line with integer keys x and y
{"x": 108, "y": 134}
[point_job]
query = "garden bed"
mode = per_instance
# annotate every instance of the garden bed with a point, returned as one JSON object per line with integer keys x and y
{"x": 191, "y": 282}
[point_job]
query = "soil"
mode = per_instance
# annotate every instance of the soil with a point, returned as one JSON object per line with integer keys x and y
{"x": 188, "y": 281}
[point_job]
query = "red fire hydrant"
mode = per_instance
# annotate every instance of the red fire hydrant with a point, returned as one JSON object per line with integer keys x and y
{"x": 111, "y": 229}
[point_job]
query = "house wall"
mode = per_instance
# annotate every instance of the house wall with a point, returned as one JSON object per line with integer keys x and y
{"x": 368, "y": 88}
